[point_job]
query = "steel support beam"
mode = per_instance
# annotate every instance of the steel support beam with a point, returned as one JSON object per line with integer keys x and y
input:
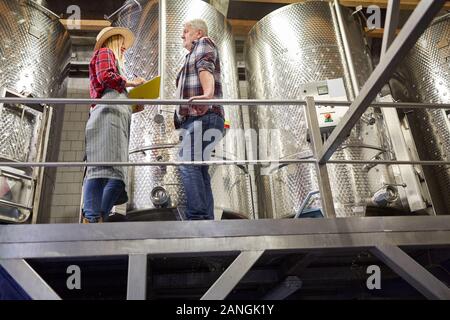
{"x": 198, "y": 279}
{"x": 29, "y": 280}
{"x": 391, "y": 24}
{"x": 231, "y": 277}
{"x": 172, "y": 230}
{"x": 137, "y": 277}
{"x": 326, "y": 195}
{"x": 412, "y": 30}
{"x": 416, "y": 275}
{"x": 287, "y": 287}
{"x": 228, "y": 236}
{"x": 296, "y": 267}
{"x": 183, "y": 247}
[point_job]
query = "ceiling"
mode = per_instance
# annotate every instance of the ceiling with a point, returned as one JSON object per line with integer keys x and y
{"x": 242, "y": 14}
{"x": 90, "y": 10}
{"x": 247, "y": 10}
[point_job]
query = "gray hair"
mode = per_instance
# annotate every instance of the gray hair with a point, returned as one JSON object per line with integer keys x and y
{"x": 198, "y": 24}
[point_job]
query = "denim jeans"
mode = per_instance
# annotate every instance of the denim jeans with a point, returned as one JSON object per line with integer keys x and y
{"x": 199, "y": 137}
{"x": 99, "y": 196}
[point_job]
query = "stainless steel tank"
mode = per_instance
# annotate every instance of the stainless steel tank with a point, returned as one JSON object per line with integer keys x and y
{"x": 34, "y": 57}
{"x": 424, "y": 77}
{"x": 158, "y": 49}
{"x": 298, "y": 51}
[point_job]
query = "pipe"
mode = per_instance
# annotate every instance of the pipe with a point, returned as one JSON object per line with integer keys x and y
{"x": 154, "y": 147}
{"x": 14, "y": 175}
{"x": 159, "y": 197}
{"x": 305, "y": 202}
{"x": 362, "y": 146}
{"x": 162, "y": 45}
{"x": 347, "y": 51}
{"x": 46, "y": 10}
{"x": 282, "y": 165}
{"x": 368, "y": 166}
{"x": 14, "y": 205}
{"x": 12, "y": 220}
{"x": 385, "y": 196}
{"x": 122, "y": 8}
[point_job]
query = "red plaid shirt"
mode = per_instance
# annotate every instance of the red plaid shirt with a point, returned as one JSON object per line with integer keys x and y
{"x": 104, "y": 74}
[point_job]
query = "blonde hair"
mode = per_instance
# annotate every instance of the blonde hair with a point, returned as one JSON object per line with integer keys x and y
{"x": 115, "y": 44}
{"x": 198, "y": 24}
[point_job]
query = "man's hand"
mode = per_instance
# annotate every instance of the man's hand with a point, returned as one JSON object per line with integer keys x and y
{"x": 202, "y": 97}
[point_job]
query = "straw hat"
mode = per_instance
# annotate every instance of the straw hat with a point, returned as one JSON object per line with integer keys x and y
{"x": 112, "y": 31}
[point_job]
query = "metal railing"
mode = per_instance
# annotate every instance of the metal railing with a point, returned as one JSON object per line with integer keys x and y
{"x": 309, "y": 103}
{"x": 224, "y": 102}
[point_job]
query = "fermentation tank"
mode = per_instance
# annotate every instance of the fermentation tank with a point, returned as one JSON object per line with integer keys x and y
{"x": 158, "y": 50}
{"x": 34, "y": 57}
{"x": 424, "y": 77}
{"x": 299, "y": 51}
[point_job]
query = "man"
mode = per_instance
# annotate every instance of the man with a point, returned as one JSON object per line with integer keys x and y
{"x": 202, "y": 125}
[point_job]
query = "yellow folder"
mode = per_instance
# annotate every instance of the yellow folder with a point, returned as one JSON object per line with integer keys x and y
{"x": 148, "y": 90}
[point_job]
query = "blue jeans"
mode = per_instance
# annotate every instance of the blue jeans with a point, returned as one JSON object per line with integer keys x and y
{"x": 99, "y": 196}
{"x": 199, "y": 137}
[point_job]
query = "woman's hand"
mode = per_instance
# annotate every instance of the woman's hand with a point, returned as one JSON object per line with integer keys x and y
{"x": 136, "y": 82}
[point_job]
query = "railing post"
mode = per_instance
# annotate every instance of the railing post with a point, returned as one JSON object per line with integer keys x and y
{"x": 322, "y": 171}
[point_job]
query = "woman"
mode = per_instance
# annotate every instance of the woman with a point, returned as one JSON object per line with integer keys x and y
{"x": 108, "y": 127}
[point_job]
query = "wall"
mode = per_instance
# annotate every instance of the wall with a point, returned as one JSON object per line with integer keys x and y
{"x": 66, "y": 196}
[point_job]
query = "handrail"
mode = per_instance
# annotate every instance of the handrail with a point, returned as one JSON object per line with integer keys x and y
{"x": 224, "y": 102}
{"x": 215, "y": 163}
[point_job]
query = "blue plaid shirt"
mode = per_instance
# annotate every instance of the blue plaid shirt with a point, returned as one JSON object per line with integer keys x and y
{"x": 203, "y": 56}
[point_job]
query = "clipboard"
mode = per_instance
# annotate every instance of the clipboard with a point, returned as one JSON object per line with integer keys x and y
{"x": 148, "y": 90}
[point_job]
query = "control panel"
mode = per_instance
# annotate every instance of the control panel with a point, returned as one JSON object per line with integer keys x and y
{"x": 329, "y": 90}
